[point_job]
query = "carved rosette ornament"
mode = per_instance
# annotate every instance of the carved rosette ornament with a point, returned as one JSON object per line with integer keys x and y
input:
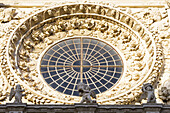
{"x": 136, "y": 46}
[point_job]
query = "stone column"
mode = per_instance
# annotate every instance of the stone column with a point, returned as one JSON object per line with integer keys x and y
{"x": 85, "y": 108}
{"x": 15, "y": 108}
{"x": 152, "y": 107}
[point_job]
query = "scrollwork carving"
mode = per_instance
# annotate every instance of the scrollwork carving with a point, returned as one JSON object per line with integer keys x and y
{"x": 104, "y": 26}
{"x": 36, "y": 36}
{"x": 28, "y": 45}
{"x": 90, "y": 24}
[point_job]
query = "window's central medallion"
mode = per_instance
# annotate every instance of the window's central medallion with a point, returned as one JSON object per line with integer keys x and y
{"x": 85, "y": 59}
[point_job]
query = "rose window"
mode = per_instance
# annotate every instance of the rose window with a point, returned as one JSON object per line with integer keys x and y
{"x": 85, "y": 59}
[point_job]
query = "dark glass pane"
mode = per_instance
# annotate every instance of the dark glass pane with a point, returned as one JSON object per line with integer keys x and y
{"x": 59, "y": 81}
{"x": 85, "y": 45}
{"x": 77, "y": 46}
{"x": 107, "y": 77}
{"x": 69, "y": 41}
{"x": 86, "y": 40}
{"x": 118, "y": 69}
{"x": 76, "y": 93}
{"x": 54, "y": 85}
{"x": 50, "y": 52}
{"x": 89, "y": 81}
{"x": 66, "y": 55}
{"x": 111, "y": 68}
{"x": 71, "y": 46}
{"x": 56, "y": 47}
{"x": 61, "y": 44}
{"x": 43, "y": 62}
{"x": 45, "y": 75}
{"x": 52, "y": 63}
{"x": 46, "y": 57}
{"x": 97, "y": 77}
{"x": 101, "y": 44}
{"x": 102, "y": 89}
{"x": 118, "y": 63}
{"x": 107, "y": 47}
{"x": 51, "y": 68}
{"x": 69, "y": 79}
{"x": 96, "y": 91}
{"x": 55, "y": 77}
{"x": 68, "y": 92}
{"x": 60, "y": 89}
{"x": 65, "y": 77}
{"x": 97, "y": 48}
{"x": 71, "y": 86}
{"x": 112, "y": 52}
{"x": 116, "y": 57}
{"x": 92, "y": 86}
{"x": 113, "y": 80}
{"x": 84, "y": 81}
{"x": 102, "y": 51}
{"x": 49, "y": 80}
{"x": 66, "y": 48}
{"x": 91, "y": 46}
{"x": 65, "y": 84}
{"x": 94, "y": 42}
{"x": 111, "y": 63}
{"x": 98, "y": 84}
{"x": 53, "y": 73}
{"x": 76, "y": 40}
{"x": 109, "y": 85}
{"x": 103, "y": 81}
{"x": 117, "y": 75}
{"x": 43, "y": 69}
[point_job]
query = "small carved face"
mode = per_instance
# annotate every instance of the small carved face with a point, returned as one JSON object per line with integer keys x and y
{"x": 81, "y": 7}
{"x": 18, "y": 86}
{"x": 65, "y": 8}
{"x": 148, "y": 88}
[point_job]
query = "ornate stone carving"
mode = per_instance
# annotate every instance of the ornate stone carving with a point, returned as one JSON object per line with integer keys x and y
{"x": 148, "y": 92}
{"x": 17, "y": 93}
{"x": 36, "y": 36}
{"x": 65, "y": 10}
{"x": 104, "y": 26}
{"x": 85, "y": 92}
{"x": 28, "y": 45}
{"x": 50, "y": 33}
{"x": 7, "y": 15}
{"x": 164, "y": 94}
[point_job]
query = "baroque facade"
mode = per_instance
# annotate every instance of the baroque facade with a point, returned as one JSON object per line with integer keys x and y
{"x": 114, "y": 49}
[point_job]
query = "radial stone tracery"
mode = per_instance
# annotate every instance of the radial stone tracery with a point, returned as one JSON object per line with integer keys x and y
{"x": 84, "y": 59}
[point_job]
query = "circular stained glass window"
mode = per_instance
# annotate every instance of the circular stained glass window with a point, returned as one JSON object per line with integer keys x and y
{"x": 85, "y": 59}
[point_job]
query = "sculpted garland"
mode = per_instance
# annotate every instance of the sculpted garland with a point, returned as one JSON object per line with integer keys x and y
{"x": 115, "y": 28}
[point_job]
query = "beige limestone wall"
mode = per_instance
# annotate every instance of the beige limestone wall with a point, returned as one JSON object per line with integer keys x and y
{"x": 153, "y": 14}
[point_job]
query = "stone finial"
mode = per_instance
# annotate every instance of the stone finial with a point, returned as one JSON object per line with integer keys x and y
{"x": 17, "y": 92}
{"x": 86, "y": 93}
